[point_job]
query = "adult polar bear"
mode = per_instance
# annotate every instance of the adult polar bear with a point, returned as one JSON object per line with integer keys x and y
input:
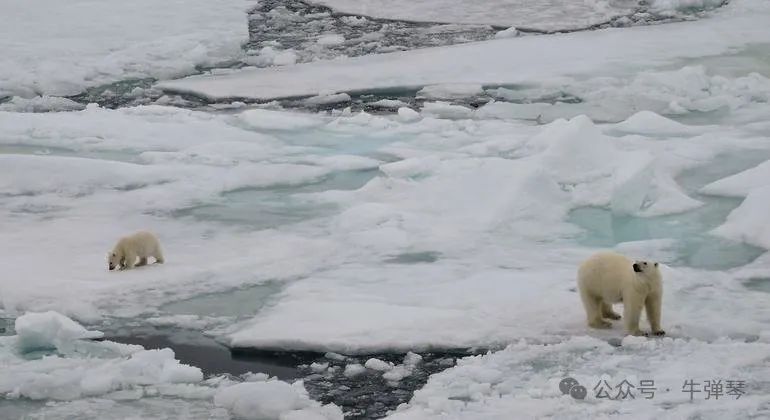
{"x": 606, "y": 278}
{"x": 140, "y": 245}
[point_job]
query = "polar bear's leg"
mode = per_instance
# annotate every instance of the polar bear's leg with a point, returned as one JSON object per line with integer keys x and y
{"x": 632, "y": 309}
{"x": 142, "y": 261}
{"x": 593, "y": 308}
{"x": 158, "y": 256}
{"x": 652, "y": 306}
{"x": 130, "y": 260}
{"x": 607, "y": 311}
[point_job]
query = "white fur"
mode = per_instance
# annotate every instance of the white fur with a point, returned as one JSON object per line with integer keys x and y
{"x": 606, "y": 278}
{"x": 140, "y": 245}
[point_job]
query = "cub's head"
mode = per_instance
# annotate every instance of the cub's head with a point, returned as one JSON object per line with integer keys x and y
{"x": 114, "y": 260}
{"x": 647, "y": 268}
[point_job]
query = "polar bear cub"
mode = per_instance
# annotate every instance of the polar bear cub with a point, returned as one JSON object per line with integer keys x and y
{"x": 606, "y": 278}
{"x": 140, "y": 245}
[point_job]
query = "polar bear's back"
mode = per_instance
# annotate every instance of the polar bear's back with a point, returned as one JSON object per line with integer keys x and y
{"x": 143, "y": 243}
{"x": 604, "y": 273}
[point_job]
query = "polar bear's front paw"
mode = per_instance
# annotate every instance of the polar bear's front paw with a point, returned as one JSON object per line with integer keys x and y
{"x": 659, "y": 333}
{"x": 600, "y": 324}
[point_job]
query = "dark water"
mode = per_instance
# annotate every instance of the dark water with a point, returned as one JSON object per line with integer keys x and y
{"x": 760, "y": 284}
{"x": 365, "y": 396}
{"x": 213, "y": 358}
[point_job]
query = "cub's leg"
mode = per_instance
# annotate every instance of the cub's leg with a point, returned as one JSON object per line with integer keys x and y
{"x": 130, "y": 261}
{"x": 142, "y": 261}
{"x": 158, "y": 255}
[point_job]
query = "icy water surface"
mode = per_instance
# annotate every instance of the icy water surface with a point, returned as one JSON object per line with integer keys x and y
{"x": 234, "y": 303}
{"x": 366, "y": 395}
{"x": 761, "y": 284}
{"x": 272, "y": 208}
{"x": 214, "y": 359}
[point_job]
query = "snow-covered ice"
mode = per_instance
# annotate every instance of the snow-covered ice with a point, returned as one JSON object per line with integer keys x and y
{"x": 269, "y": 56}
{"x": 331, "y": 39}
{"x": 524, "y": 379}
{"x": 750, "y": 222}
{"x": 60, "y": 48}
{"x": 546, "y": 15}
{"x": 651, "y": 124}
{"x": 378, "y": 365}
{"x": 80, "y": 368}
{"x": 273, "y": 400}
{"x": 354, "y": 369}
{"x": 458, "y": 91}
{"x": 49, "y": 330}
{"x": 740, "y": 184}
{"x": 542, "y": 15}
{"x": 499, "y": 62}
{"x": 76, "y": 369}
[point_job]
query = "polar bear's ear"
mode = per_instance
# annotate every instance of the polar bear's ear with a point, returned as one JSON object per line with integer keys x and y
{"x": 637, "y": 268}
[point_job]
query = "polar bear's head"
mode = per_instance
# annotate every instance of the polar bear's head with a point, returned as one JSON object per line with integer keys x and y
{"x": 115, "y": 260}
{"x": 647, "y": 268}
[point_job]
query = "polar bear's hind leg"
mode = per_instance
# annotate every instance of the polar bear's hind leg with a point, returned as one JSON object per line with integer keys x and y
{"x": 607, "y": 311}
{"x": 593, "y": 307}
{"x": 159, "y": 256}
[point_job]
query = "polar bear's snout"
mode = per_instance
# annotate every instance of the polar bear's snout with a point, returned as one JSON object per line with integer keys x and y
{"x": 644, "y": 266}
{"x": 113, "y": 261}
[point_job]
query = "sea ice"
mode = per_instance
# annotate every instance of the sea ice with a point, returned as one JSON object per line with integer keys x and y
{"x": 507, "y": 33}
{"x": 273, "y": 400}
{"x": 525, "y": 378}
{"x": 450, "y": 91}
{"x": 86, "y": 369}
{"x": 389, "y": 103}
{"x": 441, "y": 109}
{"x": 513, "y": 61}
{"x": 353, "y": 370}
{"x": 650, "y": 124}
{"x": 49, "y": 330}
{"x": 741, "y": 184}
{"x": 377, "y": 364}
{"x": 335, "y": 98}
{"x": 445, "y": 229}
{"x": 330, "y": 40}
{"x": 750, "y": 222}
{"x": 40, "y": 104}
{"x": 406, "y": 114}
{"x": 269, "y": 56}
{"x": 109, "y": 41}
{"x": 544, "y": 15}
